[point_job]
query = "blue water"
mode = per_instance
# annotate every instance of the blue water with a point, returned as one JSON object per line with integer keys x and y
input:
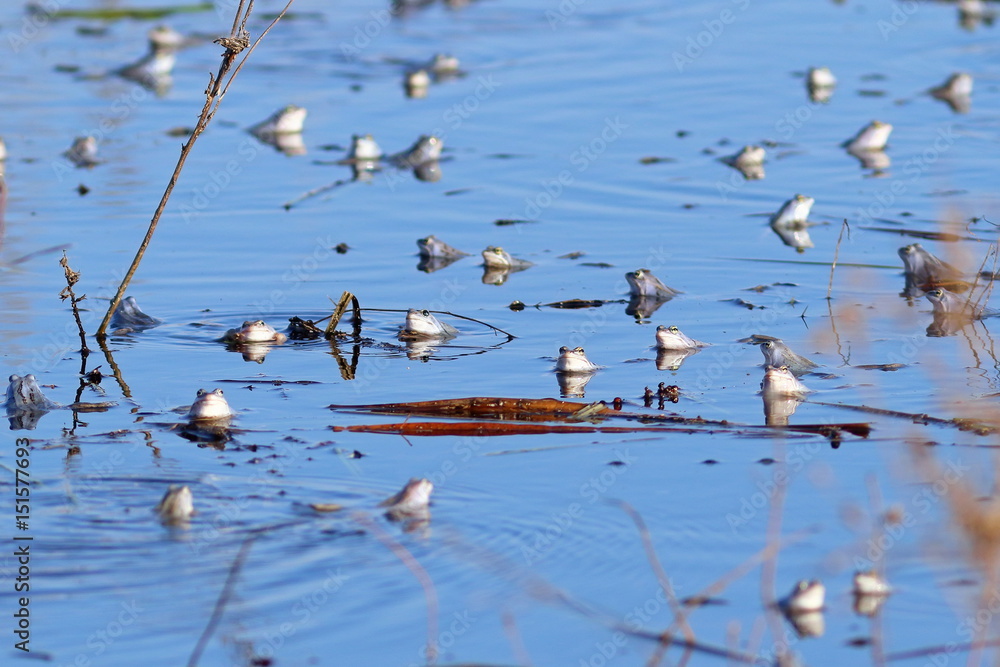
{"x": 558, "y": 106}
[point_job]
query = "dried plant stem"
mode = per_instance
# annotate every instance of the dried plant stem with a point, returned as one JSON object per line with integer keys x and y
{"x": 237, "y": 41}
{"x": 220, "y": 604}
{"x": 72, "y": 277}
{"x": 680, "y": 619}
{"x": 836, "y": 254}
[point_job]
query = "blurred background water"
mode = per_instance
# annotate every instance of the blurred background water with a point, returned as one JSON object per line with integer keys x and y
{"x": 553, "y": 123}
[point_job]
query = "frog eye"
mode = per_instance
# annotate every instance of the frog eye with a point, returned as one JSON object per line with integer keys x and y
{"x": 259, "y": 323}
{"x": 425, "y": 313}
{"x": 201, "y": 392}
{"x": 784, "y": 369}
{"x": 498, "y": 250}
{"x": 637, "y": 273}
{"x": 578, "y": 350}
{"x": 217, "y": 392}
{"x": 674, "y": 330}
{"x": 563, "y": 350}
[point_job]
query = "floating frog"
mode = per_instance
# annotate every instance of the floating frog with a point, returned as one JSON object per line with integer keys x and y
{"x": 423, "y": 324}
{"x": 412, "y": 502}
{"x": 922, "y": 270}
{"x": 24, "y": 395}
{"x": 495, "y": 257}
{"x": 952, "y": 305}
{"x": 820, "y": 83}
{"x": 426, "y": 150}
{"x": 83, "y": 152}
{"x": 777, "y": 354}
{"x": 288, "y": 120}
{"x": 872, "y": 137}
{"x": 433, "y": 248}
{"x": 364, "y": 148}
{"x": 254, "y": 331}
{"x": 780, "y": 381}
{"x": 177, "y": 505}
{"x": 574, "y": 361}
{"x": 956, "y": 92}
{"x": 129, "y": 317}
{"x": 672, "y": 338}
{"x": 642, "y": 282}
{"x": 210, "y": 405}
{"x": 749, "y": 162}
{"x": 805, "y": 597}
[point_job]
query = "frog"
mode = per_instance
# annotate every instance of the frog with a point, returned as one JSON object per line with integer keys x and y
{"x": 24, "y": 395}
{"x": 288, "y": 120}
{"x": 177, "y": 505}
{"x": 672, "y": 338}
{"x": 423, "y": 324}
{"x": 820, "y": 83}
{"x": 951, "y": 305}
{"x": 807, "y": 596}
{"x": 210, "y": 405}
{"x": 642, "y": 282}
{"x": 416, "y": 82}
{"x": 129, "y": 317}
{"x": 749, "y": 162}
{"x": 870, "y": 582}
{"x": 872, "y": 137}
{"x": 495, "y": 257}
{"x": 434, "y": 248}
{"x": 780, "y": 381}
{"x": 443, "y": 65}
{"x": 574, "y": 361}
{"x": 426, "y": 150}
{"x": 412, "y": 501}
{"x": 794, "y": 211}
{"x": 254, "y": 331}
{"x": 83, "y": 152}
{"x": 956, "y": 92}
{"x": 777, "y": 354}
{"x": 922, "y": 270}
{"x": 364, "y": 148}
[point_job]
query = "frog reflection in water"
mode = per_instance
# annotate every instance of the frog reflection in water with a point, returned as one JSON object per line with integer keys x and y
{"x": 129, "y": 317}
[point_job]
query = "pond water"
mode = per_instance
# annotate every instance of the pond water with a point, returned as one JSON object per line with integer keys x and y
{"x": 553, "y": 123}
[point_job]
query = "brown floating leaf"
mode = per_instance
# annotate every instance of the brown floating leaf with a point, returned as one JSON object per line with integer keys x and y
{"x": 326, "y": 507}
{"x": 495, "y": 428}
{"x": 481, "y": 407}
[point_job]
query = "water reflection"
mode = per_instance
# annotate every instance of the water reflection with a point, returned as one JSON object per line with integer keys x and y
{"x": 573, "y": 385}
{"x": 671, "y": 360}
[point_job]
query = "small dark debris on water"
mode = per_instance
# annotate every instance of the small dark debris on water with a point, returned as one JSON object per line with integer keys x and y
{"x": 766, "y": 461}
{"x": 709, "y": 462}
{"x": 504, "y": 222}
{"x": 572, "y": 255}
{"x": 599, "y": 265}
{"x": 341, "y": 248}
{"x": 682, "y": 133}
{"x": 576, "y": 303}
{"x": 655, "y": 160}
{"x": 94, "y": 376}
{"x": 743, "y": 304}
{"x": 871, "y": 93}
{"x": 859, "y": 642}
{"x": 881, "y": 367}
{"x": 180, "y": 131}
{"x": 764, "y": 288}
{"x": 616, "y": 463}
{"x": 516, "y": 305}
{"x": 701, "y": 601}
{"x": 67, "y": 69}
{"x": 458, "y": 191}
{"x": 689, "y": 206}
{"x": 82, "y": 189}
{"x": 667, "y": 392}
{"x": 617, "y": 403}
